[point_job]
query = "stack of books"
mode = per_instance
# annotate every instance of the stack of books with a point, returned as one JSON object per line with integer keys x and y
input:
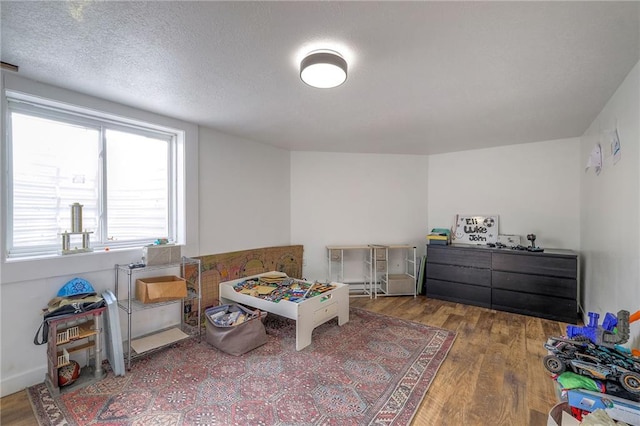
{"x": 439, "y": 236}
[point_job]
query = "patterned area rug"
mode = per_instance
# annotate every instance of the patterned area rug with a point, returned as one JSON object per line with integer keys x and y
{"x": 373, "y": 370}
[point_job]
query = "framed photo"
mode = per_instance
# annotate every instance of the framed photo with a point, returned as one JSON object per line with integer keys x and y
{"x": 476, "y": 229}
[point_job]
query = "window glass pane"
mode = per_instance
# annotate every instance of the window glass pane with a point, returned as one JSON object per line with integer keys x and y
{"x": 55, "y": 164}
{"x": 120, "y": 174}
{"x": 137, "y": 187}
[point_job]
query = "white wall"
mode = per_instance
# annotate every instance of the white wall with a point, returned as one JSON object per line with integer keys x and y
{"x": 533, "y": 188}
{"x": 244, "y": 194}
{"x": 339, "y": 199}
{"x": 26, "y": 286}
{"x": 610, "y": 207}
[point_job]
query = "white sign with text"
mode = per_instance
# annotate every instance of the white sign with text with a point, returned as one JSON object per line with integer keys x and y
{"x": 477, "y": 229}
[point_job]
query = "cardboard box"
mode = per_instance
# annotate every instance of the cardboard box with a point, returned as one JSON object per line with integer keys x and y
{"x": 617, "y": 408}
{"x": 560, "y": 415}
{"x": 160, "y": 289}
{"x": 161, "y": 254}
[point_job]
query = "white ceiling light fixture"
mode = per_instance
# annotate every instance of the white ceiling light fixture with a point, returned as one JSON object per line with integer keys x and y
{"x": 323, "y": 69}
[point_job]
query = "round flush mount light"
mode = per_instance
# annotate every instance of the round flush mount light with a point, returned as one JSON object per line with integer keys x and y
{"x": 323, "y": 69}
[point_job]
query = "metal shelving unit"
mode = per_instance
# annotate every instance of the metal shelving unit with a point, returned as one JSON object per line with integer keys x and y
{"x": 190, "y": 318}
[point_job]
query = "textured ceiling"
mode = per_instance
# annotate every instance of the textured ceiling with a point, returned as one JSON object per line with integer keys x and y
{"x": 424, "y": 77}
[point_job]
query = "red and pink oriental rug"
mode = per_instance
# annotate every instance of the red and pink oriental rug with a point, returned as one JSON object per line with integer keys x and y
{"x": 373, "y": 370}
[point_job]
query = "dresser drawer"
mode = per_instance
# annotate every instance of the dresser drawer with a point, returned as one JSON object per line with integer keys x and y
{"x": 459, "y": 274}
{"x": 448, "y": 255}
{"x": 533, "y": 304}
{"x": 535, "y": 263}
{"x": 461, "y": 293}
{"x": 537, "y": 284}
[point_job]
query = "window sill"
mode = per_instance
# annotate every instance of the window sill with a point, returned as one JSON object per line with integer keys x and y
{"x": 27, "y": 269}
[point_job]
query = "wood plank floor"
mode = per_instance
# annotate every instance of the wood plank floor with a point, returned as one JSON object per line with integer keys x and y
{"x": 493, "y": 374}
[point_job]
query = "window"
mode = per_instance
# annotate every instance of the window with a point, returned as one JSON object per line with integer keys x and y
{"x": 123, "y": 173}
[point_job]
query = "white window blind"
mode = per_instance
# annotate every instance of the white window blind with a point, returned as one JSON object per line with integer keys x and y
{"x": 137, "y": 196}
{"x": 120, "y": 173}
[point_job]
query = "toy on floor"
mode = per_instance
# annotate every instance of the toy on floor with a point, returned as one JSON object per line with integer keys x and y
{"x": 594, "y": 351}
{"x": 606, "y": 335}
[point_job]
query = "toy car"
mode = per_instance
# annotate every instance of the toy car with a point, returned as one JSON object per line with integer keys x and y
{"x": 595, "y": 361}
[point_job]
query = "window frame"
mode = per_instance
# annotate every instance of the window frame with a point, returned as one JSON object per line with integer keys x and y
{"x": 187, "y": 217}
{"x": 50, "y": 111}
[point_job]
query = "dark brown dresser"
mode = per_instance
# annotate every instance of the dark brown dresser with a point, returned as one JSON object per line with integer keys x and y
{"x": 543, "y": 284}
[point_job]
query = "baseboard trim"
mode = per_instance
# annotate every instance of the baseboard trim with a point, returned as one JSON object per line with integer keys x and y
{"x": 13, "y": 384}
